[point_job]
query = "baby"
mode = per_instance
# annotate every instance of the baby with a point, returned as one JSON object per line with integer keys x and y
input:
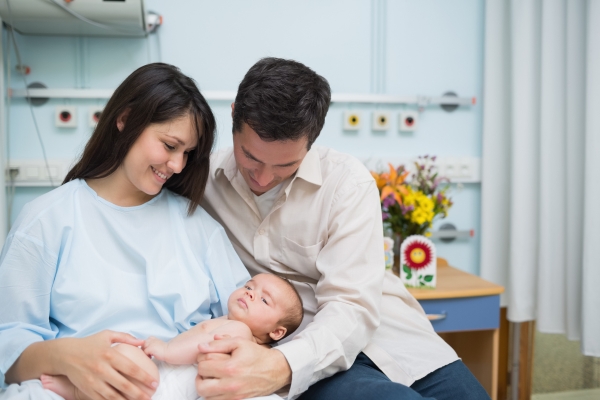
{"x": 267, "y": 309}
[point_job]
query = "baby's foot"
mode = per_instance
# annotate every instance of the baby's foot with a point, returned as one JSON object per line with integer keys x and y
{"x": 59, "y": 384}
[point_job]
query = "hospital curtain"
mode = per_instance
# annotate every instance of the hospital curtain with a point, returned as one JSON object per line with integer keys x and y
{"x": 540, "y": 233}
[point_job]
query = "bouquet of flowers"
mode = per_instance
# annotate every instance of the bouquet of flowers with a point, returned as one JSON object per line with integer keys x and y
{"x": 410, "y": 202}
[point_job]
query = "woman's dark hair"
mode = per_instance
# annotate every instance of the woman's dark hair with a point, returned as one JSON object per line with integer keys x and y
{"x": 282, "y": 100}
{"x": 154, "y": 93}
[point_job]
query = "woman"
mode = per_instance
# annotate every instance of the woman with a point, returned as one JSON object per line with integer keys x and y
{"x": 121, "y": 245}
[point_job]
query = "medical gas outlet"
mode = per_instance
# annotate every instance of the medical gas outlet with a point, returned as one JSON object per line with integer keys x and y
{"x": 66, "y": 117}
{"x": 408, "y": 121}
{"x": 381, "y": 121}
{"x": 352, "y": 121}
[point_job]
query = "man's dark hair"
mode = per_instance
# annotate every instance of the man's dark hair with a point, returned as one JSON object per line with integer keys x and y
{"x": 282, "y": 100}
{"x": 152, "y": 94}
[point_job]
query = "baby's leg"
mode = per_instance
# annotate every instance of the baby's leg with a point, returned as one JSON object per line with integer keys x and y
{"x": 62, "y": 386}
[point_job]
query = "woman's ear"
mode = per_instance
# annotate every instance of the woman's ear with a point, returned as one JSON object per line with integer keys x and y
{"x": 121, "y": 119}
{"x": 232, "y": 109}
{"x": 278, "y": 333}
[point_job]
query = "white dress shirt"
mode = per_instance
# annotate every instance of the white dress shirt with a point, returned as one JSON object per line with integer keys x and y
{"x": 324, "y": 233}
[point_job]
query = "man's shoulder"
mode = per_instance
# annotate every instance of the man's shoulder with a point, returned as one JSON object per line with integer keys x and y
{"x": 338, "y": 165}
{"x": 219, "y": 157}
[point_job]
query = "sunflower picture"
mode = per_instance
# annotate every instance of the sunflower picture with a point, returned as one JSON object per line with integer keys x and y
{"x": 418, "y": 262}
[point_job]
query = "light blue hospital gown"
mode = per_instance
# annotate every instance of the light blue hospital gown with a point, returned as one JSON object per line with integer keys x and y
{"x": 75, "y": 264}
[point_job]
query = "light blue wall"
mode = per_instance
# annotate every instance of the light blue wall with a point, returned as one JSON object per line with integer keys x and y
{"x": 431, "y": 47}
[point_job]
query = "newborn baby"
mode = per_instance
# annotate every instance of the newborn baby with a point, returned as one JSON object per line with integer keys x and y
{"x": 267, "y": 309}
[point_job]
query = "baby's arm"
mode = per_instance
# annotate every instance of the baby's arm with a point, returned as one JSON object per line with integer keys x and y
{"x": 183, "y": 348}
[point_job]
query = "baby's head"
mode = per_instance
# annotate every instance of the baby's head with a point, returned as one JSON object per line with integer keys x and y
{"x": 269, "y": 305}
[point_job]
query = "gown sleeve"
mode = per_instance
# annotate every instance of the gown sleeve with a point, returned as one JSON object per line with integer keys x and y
{"x": 27, "y": 270}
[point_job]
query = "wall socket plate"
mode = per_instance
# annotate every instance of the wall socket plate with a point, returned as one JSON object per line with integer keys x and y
{"x": 408, "y": 121}
{"x": 352, "y": 120}
{"x": 381, "y": 121}
{"x": 94, "y": 115}
{"x": 66, "y": 117}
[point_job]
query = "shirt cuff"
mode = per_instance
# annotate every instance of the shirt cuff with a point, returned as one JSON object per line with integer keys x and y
{"x": 302, "y": 360}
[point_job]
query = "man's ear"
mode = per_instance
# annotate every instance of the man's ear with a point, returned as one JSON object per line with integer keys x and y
{"x": 232, "y": 109}
{"x": 121, "y": 119}
{"x": 278, "y": 333}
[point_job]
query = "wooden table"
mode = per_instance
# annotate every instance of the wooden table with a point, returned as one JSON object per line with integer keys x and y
{"x": 465, "y": 311}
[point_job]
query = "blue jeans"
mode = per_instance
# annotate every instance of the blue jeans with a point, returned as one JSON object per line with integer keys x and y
{"x": 364, "y": 381}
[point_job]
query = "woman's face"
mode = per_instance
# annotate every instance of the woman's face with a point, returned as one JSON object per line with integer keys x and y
{"x": 159, "y": 152}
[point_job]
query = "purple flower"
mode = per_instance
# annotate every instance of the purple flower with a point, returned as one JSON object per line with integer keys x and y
{"x": 385, "y": 216}
{"x": 388, "y": 201}
{"x": 440, "y": 198}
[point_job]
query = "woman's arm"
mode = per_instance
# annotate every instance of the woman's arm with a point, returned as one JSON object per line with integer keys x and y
{"x": 90, "y": 363}
{"x": 183, "y": 349}
{"x": 28, "y": 337}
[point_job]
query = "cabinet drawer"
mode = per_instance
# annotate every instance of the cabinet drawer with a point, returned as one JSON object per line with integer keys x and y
{"x": 464, "y": 313}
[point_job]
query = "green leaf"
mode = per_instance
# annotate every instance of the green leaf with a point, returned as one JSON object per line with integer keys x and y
{"x": 428, "y": 278}
{"x": 405, "y": 268}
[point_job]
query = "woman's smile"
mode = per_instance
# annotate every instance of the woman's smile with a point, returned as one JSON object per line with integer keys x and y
{"x": 159, "y": 174}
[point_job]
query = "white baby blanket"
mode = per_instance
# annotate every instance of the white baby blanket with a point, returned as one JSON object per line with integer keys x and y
{"x": 177, "y": 382}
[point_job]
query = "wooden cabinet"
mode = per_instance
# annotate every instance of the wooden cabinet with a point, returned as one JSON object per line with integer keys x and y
{"x": 465, "y": 311}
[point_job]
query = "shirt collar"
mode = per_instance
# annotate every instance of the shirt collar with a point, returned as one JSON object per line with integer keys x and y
{"x": 228, "y": 166}
{"x": 309, "y": 170}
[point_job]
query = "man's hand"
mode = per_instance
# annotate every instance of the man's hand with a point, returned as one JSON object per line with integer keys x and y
{"x": 238, "y": 368}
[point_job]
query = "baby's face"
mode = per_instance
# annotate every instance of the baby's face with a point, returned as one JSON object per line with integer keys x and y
{"x": 260, "y": 304}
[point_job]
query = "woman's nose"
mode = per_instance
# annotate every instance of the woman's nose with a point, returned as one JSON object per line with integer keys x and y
{"x": 177, "y": 163}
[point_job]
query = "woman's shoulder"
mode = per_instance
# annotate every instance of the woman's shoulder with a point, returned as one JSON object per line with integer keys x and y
{"x": 199, "y": 219}
{"x": 57, "y": 202}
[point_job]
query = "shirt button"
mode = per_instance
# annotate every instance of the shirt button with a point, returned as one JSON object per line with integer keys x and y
{"x": 261, "y": 232}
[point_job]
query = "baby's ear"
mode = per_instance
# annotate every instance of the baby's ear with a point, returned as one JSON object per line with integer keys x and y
{"x": 278, "y": 333}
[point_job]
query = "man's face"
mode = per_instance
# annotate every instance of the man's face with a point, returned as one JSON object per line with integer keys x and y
{"x": 264, "y": 165}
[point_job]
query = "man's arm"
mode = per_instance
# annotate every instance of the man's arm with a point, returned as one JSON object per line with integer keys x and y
{"x": 348, "y": 294}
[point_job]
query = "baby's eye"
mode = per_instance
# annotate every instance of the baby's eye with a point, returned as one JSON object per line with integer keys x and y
{"x": 263, "y": 300}
{"x": 248, "y": 287}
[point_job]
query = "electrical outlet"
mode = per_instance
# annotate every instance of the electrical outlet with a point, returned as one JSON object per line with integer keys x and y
{"x": 381, "y": 121}
{"x": 94, "y": 115}
{"x": 66, "y": 117}
{"x": 408, "y": 121}
{"x": 352, "y": 121}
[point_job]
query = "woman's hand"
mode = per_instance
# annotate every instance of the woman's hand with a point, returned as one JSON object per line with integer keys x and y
{"x": 100, "y": 371}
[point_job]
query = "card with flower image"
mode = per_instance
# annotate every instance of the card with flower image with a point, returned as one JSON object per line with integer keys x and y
{"x": 388, "y": 250}
{"x": 418, "y": 263}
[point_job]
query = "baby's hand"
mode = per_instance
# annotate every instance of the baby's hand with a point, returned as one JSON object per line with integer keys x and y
{"x": 155, "y": 347}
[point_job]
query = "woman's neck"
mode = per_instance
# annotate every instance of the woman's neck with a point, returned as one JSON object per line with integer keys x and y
{"x": 117, "y": 189}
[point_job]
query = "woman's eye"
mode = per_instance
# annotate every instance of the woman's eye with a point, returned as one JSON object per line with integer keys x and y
{"x": 169, "y": 147}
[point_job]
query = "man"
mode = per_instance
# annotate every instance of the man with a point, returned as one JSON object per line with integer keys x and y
{"x": 312, "y": 215}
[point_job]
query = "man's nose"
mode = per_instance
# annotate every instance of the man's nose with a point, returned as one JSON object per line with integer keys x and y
{"x": 263, "y": 176}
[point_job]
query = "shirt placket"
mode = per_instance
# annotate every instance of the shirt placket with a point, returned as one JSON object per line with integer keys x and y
{"x": 261, "y": 236}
